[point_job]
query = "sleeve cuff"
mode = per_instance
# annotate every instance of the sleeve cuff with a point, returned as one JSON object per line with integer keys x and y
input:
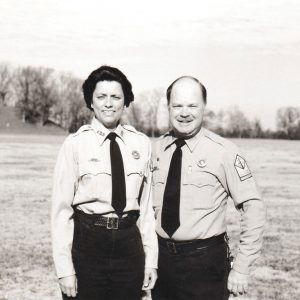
{"x": 151, "y": 260}
{"x": 64, "y": 269}
{"x": 241, "y": 265}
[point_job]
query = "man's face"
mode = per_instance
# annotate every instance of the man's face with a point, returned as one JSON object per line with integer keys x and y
{"x": 108, "y": 103}
{"x": 186, "y": 107}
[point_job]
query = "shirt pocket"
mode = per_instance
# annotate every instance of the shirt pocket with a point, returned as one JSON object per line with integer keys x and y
{"x": 95, "y": 180}
{"x": 199, "y": 187}
{"x": 159, "y": 178}
{"x": 134, "y": 177}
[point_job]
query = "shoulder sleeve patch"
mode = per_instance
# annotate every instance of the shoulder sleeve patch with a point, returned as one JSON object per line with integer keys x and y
{"x": 242, "y": 168}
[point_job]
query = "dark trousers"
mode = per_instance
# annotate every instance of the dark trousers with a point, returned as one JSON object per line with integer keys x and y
{"x": 196, "y": 275}
{"x": 109, "y": 264}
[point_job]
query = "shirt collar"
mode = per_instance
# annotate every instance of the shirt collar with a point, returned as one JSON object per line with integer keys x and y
{"x": 103, "y": 132}
{"x": 191, "y": 142}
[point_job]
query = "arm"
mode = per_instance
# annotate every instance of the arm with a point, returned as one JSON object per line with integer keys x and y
{"x": 243, "y": 190}
{"x": 147, "y": 229}
{"x": 62, "y": 226}
{"x": 252, "y": 223}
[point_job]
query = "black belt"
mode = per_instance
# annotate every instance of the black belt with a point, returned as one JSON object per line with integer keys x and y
{"x": 129, "y": 219}
{"x": 178, "y": 247}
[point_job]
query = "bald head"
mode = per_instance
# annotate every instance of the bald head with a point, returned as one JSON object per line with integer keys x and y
{"x": 188, "y": 84}
{"x": 186, "y": 100}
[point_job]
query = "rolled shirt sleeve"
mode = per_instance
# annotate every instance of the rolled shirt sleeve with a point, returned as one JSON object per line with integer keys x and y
{"x": 62, "y": 225}
{"x": 247, "y": 199}
{"x": 147, "y": 221}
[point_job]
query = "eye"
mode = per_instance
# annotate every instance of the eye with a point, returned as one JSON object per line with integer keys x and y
{"x": 116, "y": 97}
{"x": 100, "y": 96}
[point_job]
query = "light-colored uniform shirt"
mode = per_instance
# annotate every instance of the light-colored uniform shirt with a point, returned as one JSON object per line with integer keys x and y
{"x": 213, "y": 169}
{"x": 82, "y": 178}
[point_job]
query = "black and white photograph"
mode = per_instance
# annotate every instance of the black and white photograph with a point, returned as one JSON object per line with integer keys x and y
{"x": 149, "y": 150}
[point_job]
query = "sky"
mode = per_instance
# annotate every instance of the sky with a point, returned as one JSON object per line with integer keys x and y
{"x": 246, "y": 52}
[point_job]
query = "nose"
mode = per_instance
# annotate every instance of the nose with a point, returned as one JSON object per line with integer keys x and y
{"x": 108, "y": 103}
{"x": 184, "y": 113}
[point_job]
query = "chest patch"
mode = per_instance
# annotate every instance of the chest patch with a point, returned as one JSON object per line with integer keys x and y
{"x": 201, "y": 163}
{"x": 135, "y": 154}
{"x": 242, "y": 168}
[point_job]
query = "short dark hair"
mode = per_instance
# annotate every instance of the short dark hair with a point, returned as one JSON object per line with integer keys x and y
{"x": 203, "y": 89}
{"x": 106, "y": 73}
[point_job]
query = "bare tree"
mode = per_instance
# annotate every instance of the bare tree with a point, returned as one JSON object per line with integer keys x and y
{"x": 145, "y": 111}
{"x": 162, "y": 117}
{"x": 128, "y": 116}
{"x": 257, "y": 131}
{"x": 5, "y": 82}
{"x": 288, "y": 121}
{"x": 235, "y": 123}
{"x": 210, "y": 120}
{"x": 25, "y": 81}
{"x": 70, "y": 111}
{"x": 35, "y": 93}
{"x": 46, "y": 93}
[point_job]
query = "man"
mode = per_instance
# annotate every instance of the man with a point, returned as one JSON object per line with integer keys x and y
{"x": 194, "y": 173}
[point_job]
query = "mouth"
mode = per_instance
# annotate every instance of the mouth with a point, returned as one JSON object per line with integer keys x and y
{"x": 184, "y": 122}
{"x": 108, "y": 112}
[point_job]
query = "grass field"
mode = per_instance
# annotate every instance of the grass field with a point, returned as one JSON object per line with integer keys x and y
{"x": 26, "y": 166}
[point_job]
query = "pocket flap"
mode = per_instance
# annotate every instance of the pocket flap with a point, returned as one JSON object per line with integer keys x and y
{"x": 131, "y": 169}
{"x": 159, "y": 176}
{"x": 94, "y": 168}
{"x": 199, "y": 179}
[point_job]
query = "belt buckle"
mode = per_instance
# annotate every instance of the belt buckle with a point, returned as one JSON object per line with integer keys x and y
{"x": 112, "y": 223}
{"x": 171, "y": 247}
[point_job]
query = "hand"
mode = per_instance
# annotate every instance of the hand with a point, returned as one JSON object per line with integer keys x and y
{"x": 68, "y": 285}
{"x": 237, "y": 283}
{"x": 149, "y": 279}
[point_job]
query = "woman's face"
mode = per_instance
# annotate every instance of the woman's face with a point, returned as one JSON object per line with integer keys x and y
{"x": 108, "y": 103}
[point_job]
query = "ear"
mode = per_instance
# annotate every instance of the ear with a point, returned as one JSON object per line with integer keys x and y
{"x": 92, "y": 105}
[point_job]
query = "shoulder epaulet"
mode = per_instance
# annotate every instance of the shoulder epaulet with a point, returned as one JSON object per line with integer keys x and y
{"x": 214, "y": 137}
{"x": 163, "y": 136}
{"x": 82, "y": 129}
{"x": 225, "y": 143}
{"x": 162, "y": 140}
{"x": 132, "y": 129}
{"x": 169, "y": 133}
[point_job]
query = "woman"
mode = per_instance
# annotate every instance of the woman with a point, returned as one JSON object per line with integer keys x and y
{"x": 103, "y": 232}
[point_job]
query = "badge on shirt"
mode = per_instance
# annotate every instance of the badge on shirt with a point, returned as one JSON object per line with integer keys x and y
{"x": 201, "y": 163}
{"x": 242, "y": 168}
{"x": 101, "y": 133}
{"x": 135, "y": 154}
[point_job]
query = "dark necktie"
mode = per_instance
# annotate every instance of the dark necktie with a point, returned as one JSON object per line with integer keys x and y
{"x": 117, "y": 175}
{"x": 170, "y": 211}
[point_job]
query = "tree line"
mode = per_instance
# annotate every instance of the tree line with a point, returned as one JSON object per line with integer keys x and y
{"x": 42, "y": 95}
